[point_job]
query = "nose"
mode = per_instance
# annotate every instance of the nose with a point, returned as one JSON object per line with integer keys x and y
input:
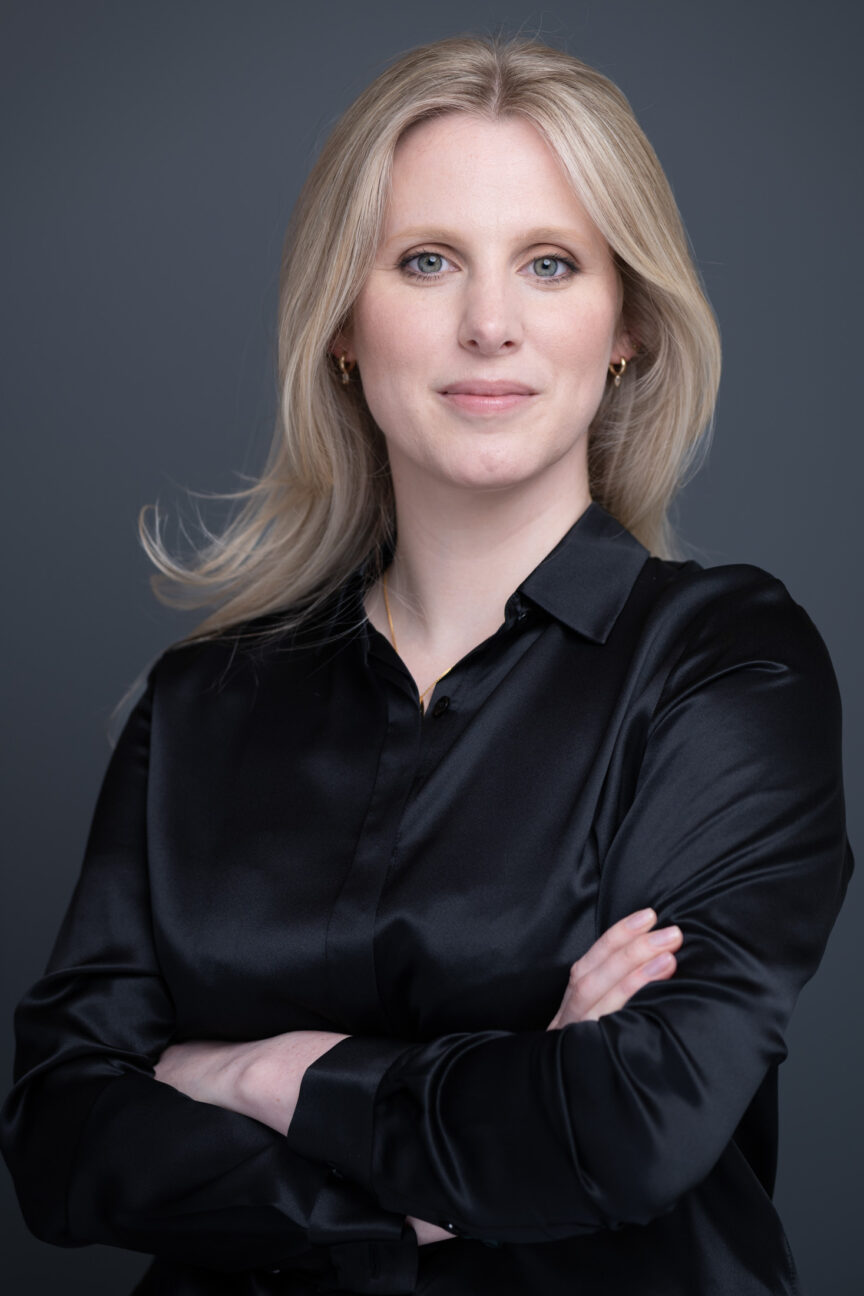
{"x": 490, "y": 317}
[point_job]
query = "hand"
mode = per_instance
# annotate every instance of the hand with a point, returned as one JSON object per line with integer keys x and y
{"x": 619, "y": 963}
{"x": 428, "y": 1232}
{"x": 257, "y": 1078}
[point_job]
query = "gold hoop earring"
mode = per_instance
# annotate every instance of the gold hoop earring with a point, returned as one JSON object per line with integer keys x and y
{"x": 617, "y": 371}
{"x": 345, "y": 369}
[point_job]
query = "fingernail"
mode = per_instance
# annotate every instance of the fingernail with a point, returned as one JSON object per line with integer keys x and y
{"x": 665, "y": 936}
{"x": 640, "y": 919}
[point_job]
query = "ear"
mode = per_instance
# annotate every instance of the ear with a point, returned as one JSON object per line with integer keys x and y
{"x": 625, "y": 345}
{"x": 341, "y": 344}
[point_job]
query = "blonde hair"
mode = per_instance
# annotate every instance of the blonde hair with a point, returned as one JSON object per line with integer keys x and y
{"x": 324, "y": 500}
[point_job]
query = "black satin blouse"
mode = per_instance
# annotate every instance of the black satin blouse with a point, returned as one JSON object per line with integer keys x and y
{"x": 284, "y": 841}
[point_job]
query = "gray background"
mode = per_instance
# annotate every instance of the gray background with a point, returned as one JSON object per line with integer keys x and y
{"x": 151, "y": 155}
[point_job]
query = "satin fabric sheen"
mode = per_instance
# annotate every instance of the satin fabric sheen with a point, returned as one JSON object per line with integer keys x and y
{"x": 282, "y": 841}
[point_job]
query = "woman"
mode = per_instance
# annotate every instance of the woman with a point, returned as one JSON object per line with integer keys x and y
{"x": 456, "y": 881}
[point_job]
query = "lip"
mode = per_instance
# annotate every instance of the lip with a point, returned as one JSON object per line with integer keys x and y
{"x": 476, "y": 397}
{"x": 475, "y": 387}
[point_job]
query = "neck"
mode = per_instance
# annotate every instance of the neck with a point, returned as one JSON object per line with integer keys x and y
{"x": 460, "y": 554}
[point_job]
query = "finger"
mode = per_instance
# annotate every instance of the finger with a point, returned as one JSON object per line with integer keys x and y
{"x": 617, "y": 937}
{"x": 620, "y": 950}
{"x": 660, "y": 968}
{"x": 591, "y": 985}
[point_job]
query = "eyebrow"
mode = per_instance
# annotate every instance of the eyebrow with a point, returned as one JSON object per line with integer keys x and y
{"x": 543, "y": 234}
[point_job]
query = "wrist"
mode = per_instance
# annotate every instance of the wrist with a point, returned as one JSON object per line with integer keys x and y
{"x": 269, "y": 1074}
{"x": 252, "y": 1082}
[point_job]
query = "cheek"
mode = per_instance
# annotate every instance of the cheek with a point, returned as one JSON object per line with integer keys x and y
{"x": 390, "y": 349}
{"x": 393, "y": 333}
{"x": 582, "y": 341}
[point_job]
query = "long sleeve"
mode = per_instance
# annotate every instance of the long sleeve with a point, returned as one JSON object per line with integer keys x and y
{"x": 733, "y": 826}
{"x": 100, "y": 1151}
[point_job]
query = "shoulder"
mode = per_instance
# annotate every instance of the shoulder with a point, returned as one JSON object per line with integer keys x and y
{"x": 736, "y": 619}
{"x": 231, "y": 661}
{"x": 732, "y": 602}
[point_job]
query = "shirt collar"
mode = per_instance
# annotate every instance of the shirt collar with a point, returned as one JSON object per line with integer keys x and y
{"x": 587, "y": 578}
{"x": 584, "y": 581}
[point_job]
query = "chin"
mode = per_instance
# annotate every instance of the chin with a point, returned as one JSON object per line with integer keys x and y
{"x": 489, "y": 474}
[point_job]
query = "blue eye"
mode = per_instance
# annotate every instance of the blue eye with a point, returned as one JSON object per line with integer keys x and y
{"x": 429, "y": 263}
{"x": 542, "y": 266}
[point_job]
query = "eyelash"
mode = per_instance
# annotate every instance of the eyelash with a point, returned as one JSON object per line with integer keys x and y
{"x": 431, "y": 278}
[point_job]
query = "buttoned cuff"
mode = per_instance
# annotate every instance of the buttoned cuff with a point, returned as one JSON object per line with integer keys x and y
{"x": 334, "y": 1118}
{"x": 344, "y": 1212}
{"x": 377, "y": 1266}
{"x": 371, "y": 1250}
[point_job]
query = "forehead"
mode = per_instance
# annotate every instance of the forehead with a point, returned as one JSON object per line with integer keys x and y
{"x": 461, "y": 167}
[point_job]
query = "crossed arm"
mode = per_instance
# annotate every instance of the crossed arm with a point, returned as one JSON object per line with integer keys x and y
{"x": 261, "y": 1078}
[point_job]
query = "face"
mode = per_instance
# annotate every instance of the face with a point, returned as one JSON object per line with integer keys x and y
{"x": 484, "y": 331}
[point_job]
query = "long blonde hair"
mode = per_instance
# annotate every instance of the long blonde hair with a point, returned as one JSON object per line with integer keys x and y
{"x": 324, "y": 500}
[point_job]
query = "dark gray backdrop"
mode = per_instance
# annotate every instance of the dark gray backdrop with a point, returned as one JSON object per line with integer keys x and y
{"x": 151, "y": 153}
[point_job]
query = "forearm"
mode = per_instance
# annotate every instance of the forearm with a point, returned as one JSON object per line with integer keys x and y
{"x": 260, "y": 1079}
{"x": 256, "y": 1078}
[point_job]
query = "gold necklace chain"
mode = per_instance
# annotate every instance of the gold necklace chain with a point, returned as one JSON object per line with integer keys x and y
{"x": 393, "y": 638}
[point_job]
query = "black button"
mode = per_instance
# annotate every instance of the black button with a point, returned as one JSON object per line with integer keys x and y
{"x": 447, "y": 1224}
{"x": 337, "y": 1174}
{"x": 441, "y": 706}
